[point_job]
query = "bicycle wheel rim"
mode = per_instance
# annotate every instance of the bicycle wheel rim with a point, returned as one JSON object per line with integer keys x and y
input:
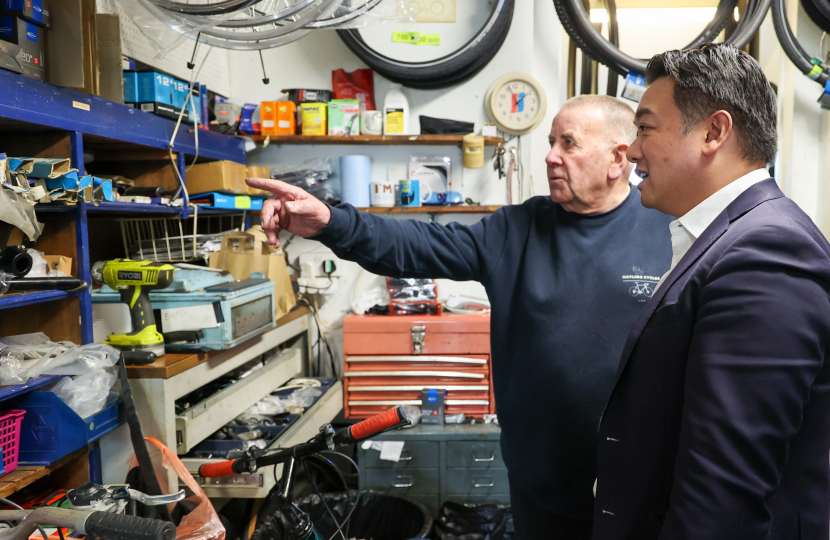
{"x": 221, "y": 8}
{"x": 268, "y": 19}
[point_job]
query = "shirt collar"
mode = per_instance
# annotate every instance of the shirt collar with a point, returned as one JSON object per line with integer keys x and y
{"x": 701, "y": 216}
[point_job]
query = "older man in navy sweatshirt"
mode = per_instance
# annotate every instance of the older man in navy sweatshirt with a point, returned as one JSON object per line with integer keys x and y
{"x": 567, "y": 276}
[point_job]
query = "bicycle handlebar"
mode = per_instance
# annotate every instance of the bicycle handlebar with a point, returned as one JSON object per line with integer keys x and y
{"x": 89, "y": 522}
{"x": 350, "y": 435}
{"x": 121, "y": 527}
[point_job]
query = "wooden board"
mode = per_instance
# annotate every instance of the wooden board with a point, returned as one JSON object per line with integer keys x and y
{"x": 26, "y": 475}
{"x": 174, "y": 363}
{"x": 431, "y": 209}
{"x": 372, "y": 140}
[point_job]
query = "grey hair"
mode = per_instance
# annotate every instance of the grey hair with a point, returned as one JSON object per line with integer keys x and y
{"x": 619, "y": 118}
{"x": 717, "y": 76}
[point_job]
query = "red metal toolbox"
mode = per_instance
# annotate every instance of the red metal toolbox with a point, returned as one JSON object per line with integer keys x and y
{"x": 390, "y": 359}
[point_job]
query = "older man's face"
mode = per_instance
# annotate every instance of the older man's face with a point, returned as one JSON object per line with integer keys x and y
{"x": 579, "y": 160}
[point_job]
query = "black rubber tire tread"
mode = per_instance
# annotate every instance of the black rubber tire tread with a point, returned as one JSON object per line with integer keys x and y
{"x": 572, "y": 19}
{"x": 819, "y": 12}
{"x": 445, "y": 74}
{"x": 792, "y": 48}
{"x": 120, "y": 527}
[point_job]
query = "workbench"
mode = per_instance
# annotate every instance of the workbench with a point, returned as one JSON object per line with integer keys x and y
{"x": 157, "y": 386}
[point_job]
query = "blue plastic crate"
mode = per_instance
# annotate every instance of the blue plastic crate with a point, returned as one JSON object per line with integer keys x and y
{"x": 51, "y": 430}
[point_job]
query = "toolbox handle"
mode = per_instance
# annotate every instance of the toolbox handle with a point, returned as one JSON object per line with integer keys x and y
{"x": 400, "y": 485}
{"x": 479, "y": 460}
{"x": 488, "y": 485}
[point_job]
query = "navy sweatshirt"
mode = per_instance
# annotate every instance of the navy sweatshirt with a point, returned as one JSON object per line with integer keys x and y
{"x": 565, "y": 290}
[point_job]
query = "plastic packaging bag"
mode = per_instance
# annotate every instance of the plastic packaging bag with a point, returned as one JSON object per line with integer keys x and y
{"x": 40, "y": 268}
{"x": 309, "y": 175}
{"x": 76, "y": 361}
{"x": 202, "y": 523}
{"x": 369, "y": 299}
{"x": 86, "y": 394}
{"x": 4, "y": 282}
{"x": 359, "y": 84}
{"x": 474, "y": 522}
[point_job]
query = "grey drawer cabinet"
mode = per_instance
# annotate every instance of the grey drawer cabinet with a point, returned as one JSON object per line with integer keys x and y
{"x": 439, "y": 463}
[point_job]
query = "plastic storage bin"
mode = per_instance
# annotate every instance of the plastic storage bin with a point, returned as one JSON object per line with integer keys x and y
{"x": 10, "y": 439}
{"x": 52, "y": 430}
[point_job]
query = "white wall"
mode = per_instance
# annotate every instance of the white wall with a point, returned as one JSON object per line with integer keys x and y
{"x": 536, "y": 45}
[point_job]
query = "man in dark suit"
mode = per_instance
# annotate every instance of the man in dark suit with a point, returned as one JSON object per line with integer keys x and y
{"x": 718, "y": 427}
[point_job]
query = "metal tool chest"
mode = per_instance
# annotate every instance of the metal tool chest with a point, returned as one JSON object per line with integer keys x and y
{"x": 460, "y": 463}
{"x": 389, "y": 360}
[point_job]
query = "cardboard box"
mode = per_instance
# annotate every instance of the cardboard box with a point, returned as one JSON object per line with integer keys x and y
{"x": 344, "y": 117}
{"x": 223, "y": 200}
{"x": 432, "y": 405}
{"x": 130, "y": 86}
{"x": 34, "y": 11}
{"x": 245, "y": 252}
{"x": 225, "y": 176}
{"x": 29, "y": 37}
{"x": 314, "y": 118}
{"x": 60, "y": 263}
{"x": 278, "y": 118}
{"x": 256, "y": 171}
{"x": 160, "y": 109}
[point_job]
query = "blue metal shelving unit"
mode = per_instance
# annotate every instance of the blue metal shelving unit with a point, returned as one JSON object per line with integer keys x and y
{"x": 42, "y": 106}
{"x": 35, "y": 106}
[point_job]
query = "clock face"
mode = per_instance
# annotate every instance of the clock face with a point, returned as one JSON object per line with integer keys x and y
{"x": 516, "y": 103}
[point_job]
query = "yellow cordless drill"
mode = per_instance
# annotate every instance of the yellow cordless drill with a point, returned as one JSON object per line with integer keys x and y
{"x": 134, "y": 280}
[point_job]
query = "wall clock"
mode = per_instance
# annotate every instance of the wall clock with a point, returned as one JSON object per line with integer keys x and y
{"x": 516, "y": 103}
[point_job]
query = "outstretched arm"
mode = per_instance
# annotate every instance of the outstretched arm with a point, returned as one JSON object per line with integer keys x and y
{"x": 390, "y": 247}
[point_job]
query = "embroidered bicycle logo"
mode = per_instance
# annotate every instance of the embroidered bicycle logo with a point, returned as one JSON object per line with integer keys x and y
{"x": 641, "y": 289}
{"x": 641, "y": 285}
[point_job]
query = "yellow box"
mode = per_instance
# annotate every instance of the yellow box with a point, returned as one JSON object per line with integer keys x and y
{"x": 314, "y": 118}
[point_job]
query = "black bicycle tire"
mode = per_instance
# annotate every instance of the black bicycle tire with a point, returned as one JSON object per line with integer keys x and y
{"x": 789, "y": 42}
{"x": 220, "y": 8}
{"x": 819, "y": 13}
{"x": 575, "y": 21}
{"x": 456, "y": 70}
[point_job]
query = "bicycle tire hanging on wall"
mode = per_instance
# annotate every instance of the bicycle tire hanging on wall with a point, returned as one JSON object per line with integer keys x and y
{"x": 577, "y": 24}
{"x": 449, "y": 70}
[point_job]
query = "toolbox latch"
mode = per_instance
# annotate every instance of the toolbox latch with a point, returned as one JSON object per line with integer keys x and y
{"x": 419, "y": 334}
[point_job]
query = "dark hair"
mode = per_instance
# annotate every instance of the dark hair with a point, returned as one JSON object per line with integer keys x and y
{"x": 717, "y": 76}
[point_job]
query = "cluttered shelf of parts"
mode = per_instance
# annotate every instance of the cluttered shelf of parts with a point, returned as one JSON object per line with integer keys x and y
{"x": 172, "y": 364}
{"x": 372, "y": 140}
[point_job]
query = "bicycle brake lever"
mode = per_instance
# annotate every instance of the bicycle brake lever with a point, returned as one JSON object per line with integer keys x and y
{"x": 156, "y": 500}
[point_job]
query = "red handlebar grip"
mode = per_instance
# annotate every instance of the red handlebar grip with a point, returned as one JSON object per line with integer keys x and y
{"x": 376, "y": 424}
{"x": 212, "y": 470}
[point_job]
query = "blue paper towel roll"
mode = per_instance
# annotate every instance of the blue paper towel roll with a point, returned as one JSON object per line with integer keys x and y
{"x": 355, "y": 180}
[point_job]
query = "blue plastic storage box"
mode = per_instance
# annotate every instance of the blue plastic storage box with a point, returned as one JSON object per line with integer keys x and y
{"x": 51, "y": 430}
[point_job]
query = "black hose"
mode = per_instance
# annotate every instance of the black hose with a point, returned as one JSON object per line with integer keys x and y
{"x": 614, "y": 38}
{"x": 142, "y": 455}
{"x": 792, "y": 48}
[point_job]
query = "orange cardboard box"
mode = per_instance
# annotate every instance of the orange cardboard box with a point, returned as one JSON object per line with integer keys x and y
{"x": 278, "y": 117}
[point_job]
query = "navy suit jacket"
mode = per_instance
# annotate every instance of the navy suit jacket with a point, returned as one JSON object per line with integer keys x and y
{"x": 718, "y": 427}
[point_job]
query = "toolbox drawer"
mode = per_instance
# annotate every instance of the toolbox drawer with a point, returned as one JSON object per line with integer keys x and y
{"x": 260, "y": 484}
{"x": 401, "y": 344}
{"x": 471, "y": 454}
{"x": 204, "y": 418}
{"x": 477, "y": 481}
{"x": 497, "y": 498}
{"x": 403, "y": 483}
{"x": 415, "y": 455}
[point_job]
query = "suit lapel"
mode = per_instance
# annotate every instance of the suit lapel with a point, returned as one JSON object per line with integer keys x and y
{"x": 746, "y": 201}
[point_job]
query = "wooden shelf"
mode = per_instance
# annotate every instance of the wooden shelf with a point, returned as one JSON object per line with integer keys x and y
{"x": 25, "y": 475}
{"x": 431, "y": 209}
{"x": 372, "y": 140}
{"x": 172, "y": 364}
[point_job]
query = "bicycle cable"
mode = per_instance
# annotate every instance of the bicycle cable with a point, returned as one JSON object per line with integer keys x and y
{"x": 323, "y": 500}
{"x": 359, "y": 489}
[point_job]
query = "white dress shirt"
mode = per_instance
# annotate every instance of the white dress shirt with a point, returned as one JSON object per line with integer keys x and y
{"x": 688, "y": 228}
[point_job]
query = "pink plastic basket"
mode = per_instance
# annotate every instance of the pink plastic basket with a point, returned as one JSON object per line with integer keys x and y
{"x": 10, "y": 438}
